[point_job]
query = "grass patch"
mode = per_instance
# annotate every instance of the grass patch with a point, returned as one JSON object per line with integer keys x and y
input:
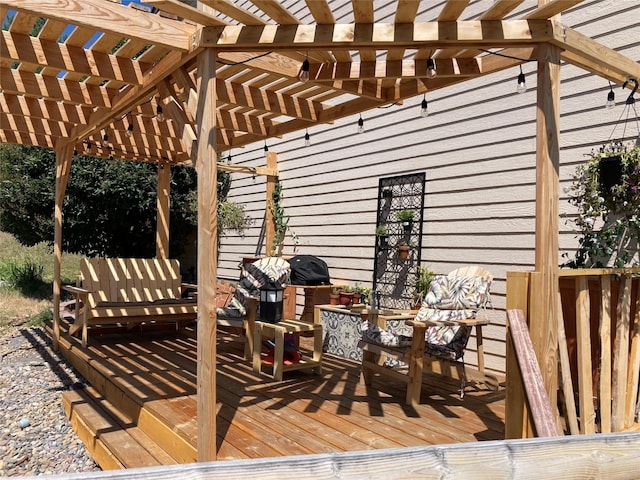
{"x": 26, "y": 281}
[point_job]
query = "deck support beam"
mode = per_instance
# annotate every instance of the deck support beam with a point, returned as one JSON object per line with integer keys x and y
{"x": 206, "y": 167}
{"x": 64, "y": 157}
{"x": 163, "y": 206}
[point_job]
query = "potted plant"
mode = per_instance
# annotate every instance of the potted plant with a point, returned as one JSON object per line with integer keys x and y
{"x": 406, "y": 217}
{"x": 382, "y": 233}
{"x": 403, "y": 250}
{"x": 365, "y": 293}
{"x": 334, "y": 296}
{"x": 346, "y": 295}
{"x": 423, "y": 282}
{"x": 606, "y": 221}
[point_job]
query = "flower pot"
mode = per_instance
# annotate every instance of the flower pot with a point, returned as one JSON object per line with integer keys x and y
{"x": 346, "y": 298}
{"x": 407, "y": 224}
{"x": 383, "y": 241}
{"x": 334, "y": 299}
{"x": 403, "y": 252}
{"x": 357, "y": 297}
{"x": 610, "y": 174}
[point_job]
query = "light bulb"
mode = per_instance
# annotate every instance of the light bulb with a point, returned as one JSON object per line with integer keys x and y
{"x": 303, "y": 74}
{"x": 307, "y": 139}
{"x": 522, "y": 85}
{"x": 431, "y": 68}
{"x": 105, "y": 141}
{"x": 360, "y": 125}
{"x": 159, "y": 114}
{"x": 130, "y": 130}
{"x": 424, "y": 110}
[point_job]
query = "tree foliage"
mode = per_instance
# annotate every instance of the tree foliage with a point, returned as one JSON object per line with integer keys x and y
{"x": 110, "y": 206}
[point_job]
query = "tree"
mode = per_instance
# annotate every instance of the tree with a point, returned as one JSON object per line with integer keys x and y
{"x": 109, "y": 207}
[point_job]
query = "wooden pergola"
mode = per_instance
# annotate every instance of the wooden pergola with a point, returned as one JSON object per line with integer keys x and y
{"x": 95, "y": 77}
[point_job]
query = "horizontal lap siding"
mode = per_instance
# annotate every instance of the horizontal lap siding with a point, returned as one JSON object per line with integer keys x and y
{"x": 477, "y": 149}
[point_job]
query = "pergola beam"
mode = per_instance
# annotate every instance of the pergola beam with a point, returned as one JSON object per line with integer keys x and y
{"x": 114, "y": 18}
{"x": 378, "y": 36}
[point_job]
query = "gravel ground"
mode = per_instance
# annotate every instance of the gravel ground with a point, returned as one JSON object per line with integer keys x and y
{"x": 36, "y": 437}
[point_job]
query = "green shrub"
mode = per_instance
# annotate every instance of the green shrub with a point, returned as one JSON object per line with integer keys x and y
{"x": 25, "y": 276}
{"x": 40, "y": 318}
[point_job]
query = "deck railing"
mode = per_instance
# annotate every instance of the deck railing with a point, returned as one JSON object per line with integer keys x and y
{"x": 598, "y": 351}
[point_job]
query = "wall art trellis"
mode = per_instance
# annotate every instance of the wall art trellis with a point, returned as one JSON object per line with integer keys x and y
{"x": 393, "y": 275}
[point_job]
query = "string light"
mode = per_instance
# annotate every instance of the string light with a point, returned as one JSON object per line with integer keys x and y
{"x": 431, "y": 68}
{"x": 130, "y": 126}
{"x": 360, "y": 125}
{"x": 105, "y": 140}
{"x": 266, "y": 147}
{"x": 303, "y": 74}
{"x": 611, "y": 98}
{"x": 424, "y": 108}
{"x": 159, "y": 113}
{"x": 522, "y": 85}
{"x": 307, "y": 138}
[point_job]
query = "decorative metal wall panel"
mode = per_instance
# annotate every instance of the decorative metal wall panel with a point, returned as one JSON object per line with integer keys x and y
{"x": 393, "y": 276}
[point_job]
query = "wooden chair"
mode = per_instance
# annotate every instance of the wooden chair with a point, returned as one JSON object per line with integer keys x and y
{"x": 415, "y": 351}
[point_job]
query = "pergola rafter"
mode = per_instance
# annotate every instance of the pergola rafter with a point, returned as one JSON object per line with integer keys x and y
{"x": 226, "y": 76}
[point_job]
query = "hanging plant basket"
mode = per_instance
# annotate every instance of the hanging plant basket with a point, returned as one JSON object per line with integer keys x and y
{"x": 609, "y": 174}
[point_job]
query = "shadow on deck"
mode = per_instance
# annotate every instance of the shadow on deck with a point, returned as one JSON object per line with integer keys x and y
{"x": 140, "y": 408}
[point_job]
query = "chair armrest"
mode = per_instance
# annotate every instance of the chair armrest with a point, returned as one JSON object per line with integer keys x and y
{"x": 76, "y": 291}
{"x": 467, "y": 321}
{"x": 188, "y": 286}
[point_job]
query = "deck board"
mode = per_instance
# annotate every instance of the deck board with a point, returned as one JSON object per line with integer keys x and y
{"x": 258, "y": 417}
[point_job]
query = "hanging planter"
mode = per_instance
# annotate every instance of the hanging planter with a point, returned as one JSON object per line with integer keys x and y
{"x": 382, "y": 234}
{"x": 609, "y": 174}
{"x": 387, "y": 192}
{"x": 406, "y": 217}
{"x": 606, "y": 194}
{"x": 403, "y": 251}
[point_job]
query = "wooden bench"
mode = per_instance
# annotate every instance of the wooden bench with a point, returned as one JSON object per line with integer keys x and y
{"x": 129, "y": 290}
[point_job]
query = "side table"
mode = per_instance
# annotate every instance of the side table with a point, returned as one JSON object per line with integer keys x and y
{"x": 277, "y": 331}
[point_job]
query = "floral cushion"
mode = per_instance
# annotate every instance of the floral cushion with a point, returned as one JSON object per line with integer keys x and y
{"x": 450, "y": 298}
{"x": 457, "y": 292}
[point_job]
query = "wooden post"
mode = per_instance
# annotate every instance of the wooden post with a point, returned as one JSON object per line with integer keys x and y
{"x": 206, "y": 166}
{"x": 270, "y": 227}
{"x": 163, "y": 202}
{"x": 547, "y": 213}
{"x": 64, "y": 157}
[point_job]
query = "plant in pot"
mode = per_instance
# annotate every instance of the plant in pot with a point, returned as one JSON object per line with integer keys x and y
{"x": 346, "y": 295}
{"x": 334, "y": 296}
{"x": 606, "y": 193}
{"x": 382, "y": 234}
{"x": 423, "y": 282}
{"x": 403, "y": 250}
{"x": 406, "y": 217}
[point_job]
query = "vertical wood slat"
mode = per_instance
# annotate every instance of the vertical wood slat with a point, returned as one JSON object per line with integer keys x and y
{"x": 605, "y": 354}
{"x": 137, "y": 286}
{"x": 565, "y": 371}
{"x": 583, "y": 337}
{"x": 517, "y": 423}
{"x": 634, "y": 363}
{"x": 621, "y": 354}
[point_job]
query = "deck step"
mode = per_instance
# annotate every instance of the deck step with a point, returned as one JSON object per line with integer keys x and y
{"x": 112, "y": 439}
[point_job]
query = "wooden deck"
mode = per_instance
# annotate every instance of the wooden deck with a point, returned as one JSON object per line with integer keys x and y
{"x": 141, "y": 407}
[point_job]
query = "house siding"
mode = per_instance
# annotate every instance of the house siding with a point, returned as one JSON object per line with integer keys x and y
{"x": 477, "y": 149}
